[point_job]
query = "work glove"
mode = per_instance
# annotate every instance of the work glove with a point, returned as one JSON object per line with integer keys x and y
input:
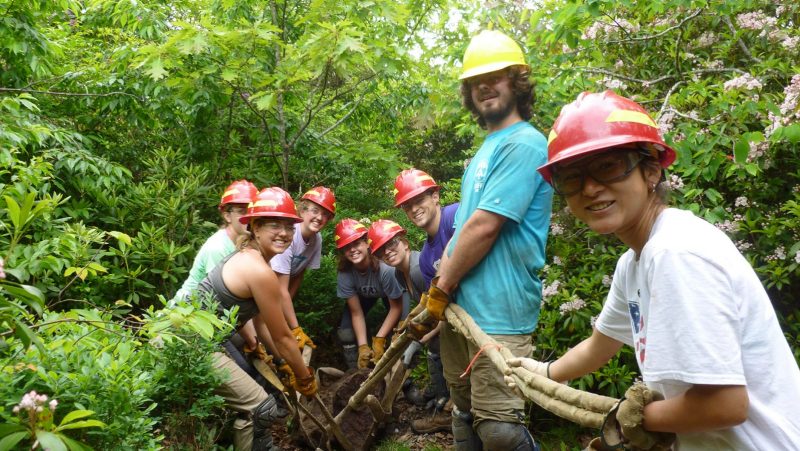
{"x": 364, "y": 356}
{"x": 305, "y": 385}
{"x": 410, "y": 352}
{"x": 378, "y": 348}
{"x": 256, "y": 353}
{"x": 534, "y": 366}
{"x": 423, "y": 303}
{"x": 627, "y": 417}
{"x": 285, "y": 372}
{"x": 437, "y": 301}
{"x": 303, "y": 340}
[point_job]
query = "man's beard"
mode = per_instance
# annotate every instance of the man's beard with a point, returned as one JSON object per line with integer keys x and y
{"x": 496, "y": 116}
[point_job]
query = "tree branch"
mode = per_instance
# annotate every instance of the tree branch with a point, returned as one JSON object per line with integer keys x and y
{"x": 659, "y": 34}
{"x": 343, "y": 118}
{"x": 71, "y": 94}
{"x": 739, "y": 40}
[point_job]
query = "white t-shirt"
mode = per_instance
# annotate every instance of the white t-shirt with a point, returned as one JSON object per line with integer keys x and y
{"x": 695, "y": 312}
{"x": 299, "y": 256}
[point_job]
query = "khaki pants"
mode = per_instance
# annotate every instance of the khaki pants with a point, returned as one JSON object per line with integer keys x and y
{"x": 242, "y": 394}
{"x": 483, "y": 392}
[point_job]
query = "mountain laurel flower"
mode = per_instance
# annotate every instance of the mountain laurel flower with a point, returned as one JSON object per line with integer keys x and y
{"x": 2, "y": 268}
{"x": 743, "y": 245}
{"x": 571, "y": 306}
{"x": 606, "y": 280}
{"x": 779, "y": 254}
{"x": 557, "y": 261}
{"x": 745, "y": 81}
{"x": 755, "y": 20}
{"x": 551, "y": 290}
{"x": 727, "y": 226}
{"x": 792, "y": 92}
{"x": 706, "y": 39}
{"x": 665, "y": 121}
{"x": 675, "y": 182}
{"x": 797, "y": 257}
{"x": 757, "y": 150}
{"x": 741, "y": 201}
{"x": 556, "y": 229}
{"x": 791, "y": 42}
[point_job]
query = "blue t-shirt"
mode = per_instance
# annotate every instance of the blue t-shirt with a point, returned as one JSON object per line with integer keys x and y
{"x": 432, "y": 250}
{"x": 503, "y": 291}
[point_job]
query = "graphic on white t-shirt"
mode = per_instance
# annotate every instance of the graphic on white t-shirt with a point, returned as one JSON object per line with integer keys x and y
{"x": 637, "y": 323}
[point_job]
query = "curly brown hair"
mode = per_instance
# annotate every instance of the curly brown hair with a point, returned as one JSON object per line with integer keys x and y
{"x": 521, "y": 85}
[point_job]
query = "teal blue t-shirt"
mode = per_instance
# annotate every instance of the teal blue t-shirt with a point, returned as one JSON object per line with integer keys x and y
{"x": 503, "y": 291}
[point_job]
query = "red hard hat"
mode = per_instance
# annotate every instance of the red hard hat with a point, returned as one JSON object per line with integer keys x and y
{"x": 598, "y": 121}
{"x": 271, "y": 203}
{"x": 347, "y": 231}
{"x": 381, "y": 231}
{"x": 238, "y": 192}
{"x": 410, "y": 183}
{"x": 323, "y": 197}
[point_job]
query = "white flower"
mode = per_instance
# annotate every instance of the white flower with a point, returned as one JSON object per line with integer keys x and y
{"x": 571, "y": 306}
{"x": 551, "y": 290}
{"x": 755, "y": 20}
{"x": 797, "y": 257}
{"x": 741, "y": 201}
{"x": 556, "y": 229}
{"x": 706, "y": 39}
{"x": 606, "y": 280}
{"x": 745, "y": 81}
{"x": 791, "y": 42}
{"x": 557, "y": 261}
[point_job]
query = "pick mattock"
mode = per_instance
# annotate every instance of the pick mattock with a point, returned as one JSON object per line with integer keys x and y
{"x": 584, "y": 408}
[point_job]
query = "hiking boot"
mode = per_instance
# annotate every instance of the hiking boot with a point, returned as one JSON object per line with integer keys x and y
{"x": 440, "y": 422}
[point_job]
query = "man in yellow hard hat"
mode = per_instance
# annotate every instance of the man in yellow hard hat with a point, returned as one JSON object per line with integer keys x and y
{"x": 490, "y": 267}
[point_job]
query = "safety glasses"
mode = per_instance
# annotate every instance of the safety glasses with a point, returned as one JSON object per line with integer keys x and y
{"x": 606, "y": 168}
{"x": 389, "y": 246}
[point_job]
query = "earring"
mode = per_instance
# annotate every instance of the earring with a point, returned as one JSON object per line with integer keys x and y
{"x": 652, "y": 187}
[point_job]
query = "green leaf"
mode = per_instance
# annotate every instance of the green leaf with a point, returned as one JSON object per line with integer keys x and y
{"x": 740, "y": 150}
{"x": 156, "y": 69}
{"x": 74, "y": 415}
{"x": 265, "y": 101}
{"x": 74, "y": 445}
{"x": 81, "y": 424}
{"x": 50, "y": 441}
{"x": 96, "y": 267}
{"x": 792, "y": 133}
{"x": 122, "y": 237}
{"x": 228, "y": 74}
{"x": 9, "y": 441}
{"x": 13, "y": 211}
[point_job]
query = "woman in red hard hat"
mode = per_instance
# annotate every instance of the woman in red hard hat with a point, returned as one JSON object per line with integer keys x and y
{"x": 245, "y": 280}
{"x": 703, "y": 329}
{"x": 362, "y": 280}
{"x": 232, "y": 206}
{"x": 316, "y": 208}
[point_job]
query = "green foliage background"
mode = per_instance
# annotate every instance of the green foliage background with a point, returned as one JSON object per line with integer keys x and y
{"x": 122, "y": 122}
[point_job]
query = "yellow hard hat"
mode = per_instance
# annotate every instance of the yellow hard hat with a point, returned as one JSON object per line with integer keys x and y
{"x": 490, "y": 51}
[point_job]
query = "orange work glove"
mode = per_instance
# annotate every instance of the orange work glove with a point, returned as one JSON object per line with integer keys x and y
{"x": 364, "y": 355}
{"x": 437, "y": 302}
{"x": 423, "y": 303}
{"x": 285, "y": 373}
{"x": 306, "y": 385}
{"x": 258, "y": 353}
{"x": 378, "y": 348}
{"x": 303, "y": 340}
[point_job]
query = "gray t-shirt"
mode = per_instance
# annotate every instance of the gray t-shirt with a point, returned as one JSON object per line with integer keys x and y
{"x": 369, "y": 285}
{"x": 417, "y": 279}
{"x": 299, "y": 256}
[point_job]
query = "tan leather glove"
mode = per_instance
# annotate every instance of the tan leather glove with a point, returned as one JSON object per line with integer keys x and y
{"x": 303, "y": 340}
{"x": 437, "y": 301}
{"x": 285, "y": 373}
{"x": 364, "y": 356}
{"x": 627, "y": 418}
{"x": 378, "y": 348}
{"x": 306, "y": 385}
{"x": 423, "y": 303}
{"x": 258, "y": 353}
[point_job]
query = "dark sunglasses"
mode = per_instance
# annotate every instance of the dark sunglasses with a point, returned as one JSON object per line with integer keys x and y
{"x": 606, "y": 168}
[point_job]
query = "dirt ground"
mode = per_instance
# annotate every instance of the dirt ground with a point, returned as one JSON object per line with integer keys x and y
{"x": 359, "y": 423}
